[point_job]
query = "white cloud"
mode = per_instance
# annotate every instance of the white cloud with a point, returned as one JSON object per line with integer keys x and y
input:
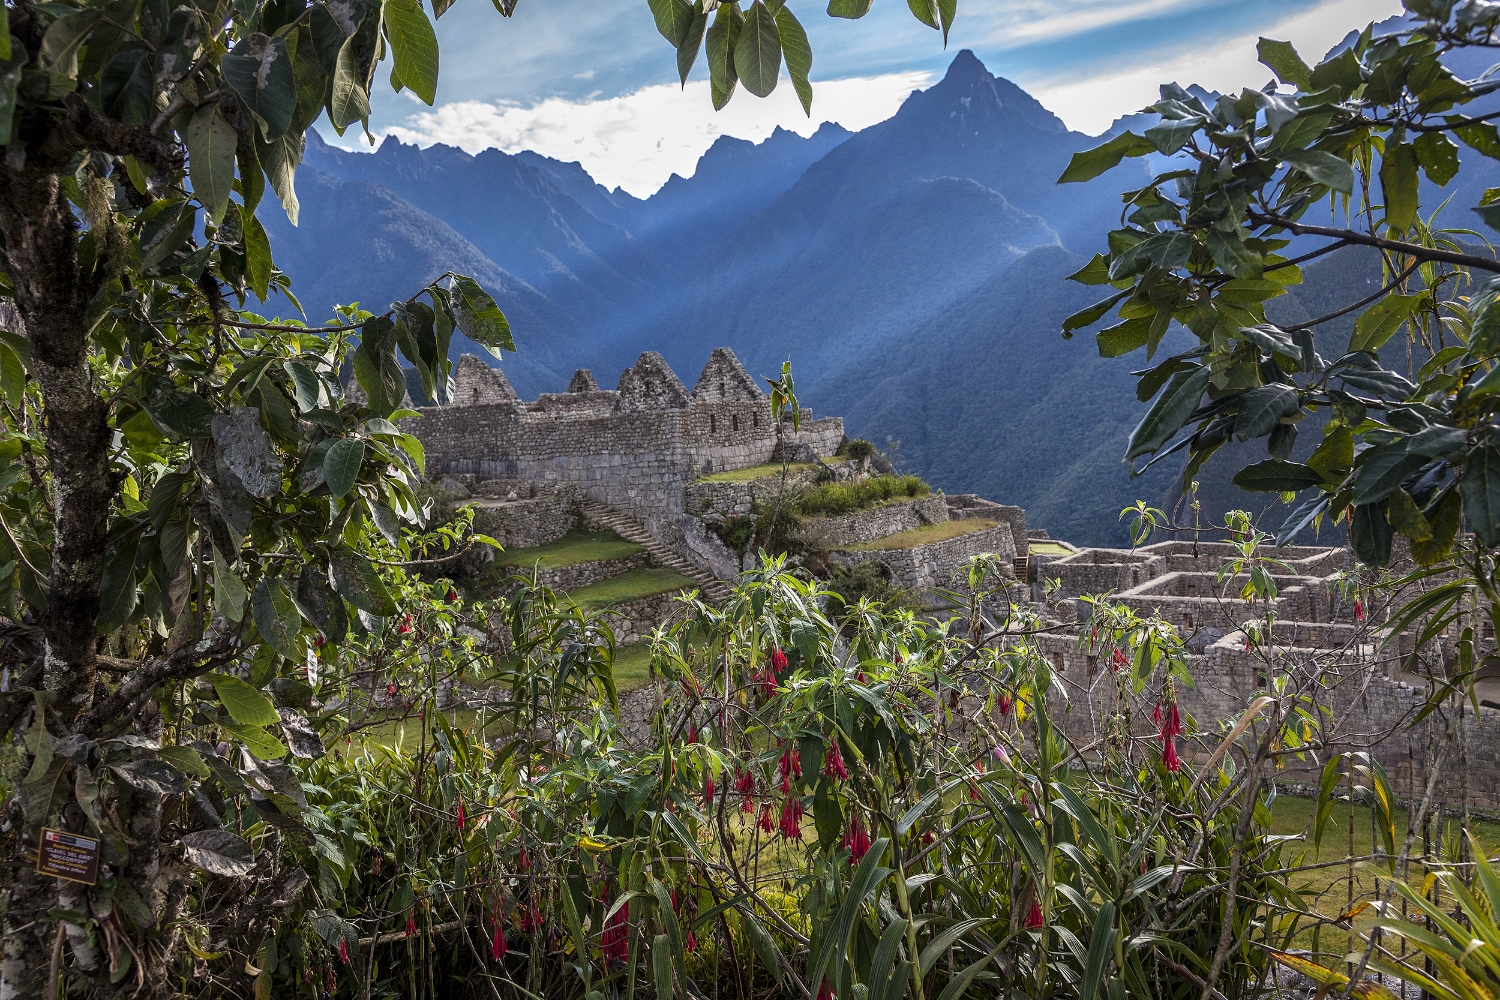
{"x": 1090, "y": 104}
{"x": 638, "y": 140}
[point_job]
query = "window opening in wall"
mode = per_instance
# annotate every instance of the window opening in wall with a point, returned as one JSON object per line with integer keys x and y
{"x": 722, "y": 393}
{"x": 713, "y": 425}
{"x": 1187, "y": 622}
{"x": 1059, "y": 664}
{"x": 734, "y": 422}
{"x": 755, "y": 420}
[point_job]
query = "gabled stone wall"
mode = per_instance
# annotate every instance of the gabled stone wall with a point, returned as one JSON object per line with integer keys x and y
{"x": 635, "y": 447}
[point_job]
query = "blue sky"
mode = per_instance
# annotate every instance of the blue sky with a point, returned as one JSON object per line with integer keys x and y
{"x": 593, "y": 81}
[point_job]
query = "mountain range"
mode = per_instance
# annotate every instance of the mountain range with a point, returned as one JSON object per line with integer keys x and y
{"x": 913, "y": 272}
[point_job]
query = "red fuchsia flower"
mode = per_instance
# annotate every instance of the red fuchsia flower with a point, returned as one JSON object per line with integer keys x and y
{"x": 1169, "y": 756}
{"x": 791, "y": 819}
{"x": 497, "y": 944}
{"x": 862, "y": 678}
{"x": 778, "y": 660}
{"x": 411, "y": 925}
{"x": 708, "y": 793}
{"x": 1117, "y": 662}
{"x": 390, "y": 690}
{"x": 344, "y": 951}
{"x": 375, "y": 863}
{"x": 927, "y": 837}
{"x": 789, "y": 766}
{"x": 523, "y": 860}
{"x": 1359, "y": 611}
{"x": 1034, "y": 915}
{"x": 531, "y": 918}
{"x": 766, "y": 821}
{"x": 691, "y": 944}
{"x": 452, "y": 595}
{"x": 833, "y": 762}
{"x": 692, "y": 733}
{"x": 857, "y": 840}
{"x": 462, "y": 817}
{"x": 405, "y": 626}
{"x": 825, "y": 992}
{"x": 1156, "y": 715}
{"x": 612, "y": 941}
{"x": 1005, "y": 704}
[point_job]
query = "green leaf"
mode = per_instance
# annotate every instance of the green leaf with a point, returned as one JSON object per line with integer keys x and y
{"x": 359, "y": 583}
{"x": 1277, "y": 476}
{"x": 1283, "y": 60}
{"x": 866, "y": 879}
{"x": 798, "y": 53}
{"x": 177, "y": 411}
{"x": 763, "y": 943}
{"x": 674, "y": 18}
{"x": 350, "y": 98}
{"x": 279, "y": 158}
{"x": 1335, "y": 456}
{"x": 1262, "y": 408}
{"x": 1095, "y": 272}
{"x": 259, "y": 69}
{"x": 66, "y": 35}
{"x": 117, "y": 589}
{"x": 320, "y": 605}
{"x": 880, "y": 978}
{"x": 687, "y": 52}
{"x": 478, "y": 316}
{"x": 1380, "y": 322}
{"x": 261, "y": 744}
{"x": 1438, "y": 156}
{"x": 1398, "y": 185}
{"x": 414, "y": 46}
{"x": 924, "y": 11}
{"x": 852, "y": 9}
{"x": 1095, "y": 312}
{"x": 1231, "y": 254}
{"x": 661, "y": 965}
{"x": 1406, "y": 517}
{"x": 1170, "y": 411}
{"x": 1381, "y": 469}
{"x": 258, "y": 264}
{"x": 211, "y": 141}
{"x": 127, "y": 87}
{"x": 245, "y": 704}
{"x": 1370, "y": 535}
{"x": 1445, "y": 520}
{"x": 1122, "y": 338}
{"x": 720, "y": 41}
{"x": 1322, "y": 167}
{"x": 229, "y": 589}
{"x": 4, "y": 34}
{"x": 341, "y": 465}
{"x": 1090, "y": 163}
{"x": 276, "y": 617}
{"x": 1482, "y": 137}
{"x": 1480, "y": 486}
{"x": 1101, "y": 945}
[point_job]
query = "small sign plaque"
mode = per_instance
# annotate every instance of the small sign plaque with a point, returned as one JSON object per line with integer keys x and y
{"x": 68, "y": 856}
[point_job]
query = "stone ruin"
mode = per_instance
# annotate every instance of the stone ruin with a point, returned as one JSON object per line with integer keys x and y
{"x": 645, "y": 461}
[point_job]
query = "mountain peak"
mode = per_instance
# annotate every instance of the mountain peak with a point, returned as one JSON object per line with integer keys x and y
{"x": 966, "y": 68}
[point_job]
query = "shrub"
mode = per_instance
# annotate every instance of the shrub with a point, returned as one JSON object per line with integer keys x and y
{"x": 860, "y": 450}
{"x": 845, "y": 498}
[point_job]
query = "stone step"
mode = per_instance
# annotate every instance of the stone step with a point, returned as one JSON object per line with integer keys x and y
{"x": 628, "y": 528}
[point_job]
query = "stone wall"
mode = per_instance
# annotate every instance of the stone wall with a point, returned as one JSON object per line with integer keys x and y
{"x": 971, "y": 505}
{"x": 525, "y": 524}
{"x": 735, "y": 499}
{"x": 929, "y": 566}
{"x": 868, "y": 525}
{"x": 1364, "y": 687}
{"x": 564, "y": 578}
{"x": 634, "y": 621}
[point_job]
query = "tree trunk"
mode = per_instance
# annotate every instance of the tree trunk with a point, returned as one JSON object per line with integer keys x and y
{"x": 51, "y": 295}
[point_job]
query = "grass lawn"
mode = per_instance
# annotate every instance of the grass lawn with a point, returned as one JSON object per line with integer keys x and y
{"x": 631, "y": 664}
{"x": 925, "y": 535}
{"x": 1326, "y": 890}
{"x": 755, "y": 472}
{"x": 642, "y": 582}
{"x": 570, "y": 550}
{"x": 1046, "y": 548}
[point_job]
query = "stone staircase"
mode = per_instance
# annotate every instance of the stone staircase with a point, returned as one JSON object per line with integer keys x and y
{"x": 713, "y": 590}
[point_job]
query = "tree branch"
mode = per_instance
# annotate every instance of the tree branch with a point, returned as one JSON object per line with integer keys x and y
{"x": 186, "y": 662}
{"x": 84, "y": 128}
{"x": 1394, "y": 246}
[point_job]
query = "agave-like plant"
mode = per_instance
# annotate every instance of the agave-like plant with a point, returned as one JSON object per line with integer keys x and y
{"x": 1454, "y": 959}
